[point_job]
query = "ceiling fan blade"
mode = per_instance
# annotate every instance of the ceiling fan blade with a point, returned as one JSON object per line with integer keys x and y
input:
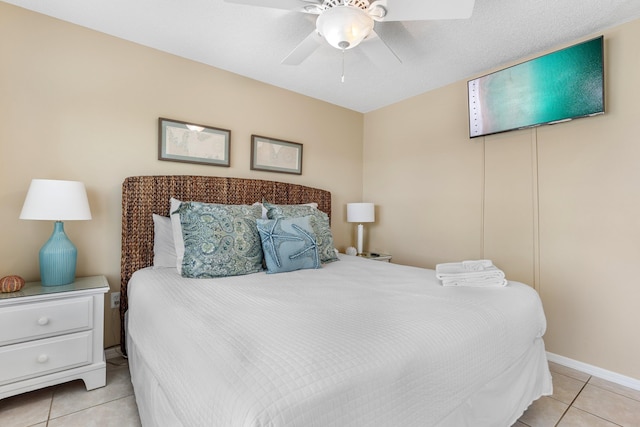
{"x": 423, "y": 10}
{"x": 278, "y": 4}
{"x": 304, "y": 49}
{"x": 378, "y": 51}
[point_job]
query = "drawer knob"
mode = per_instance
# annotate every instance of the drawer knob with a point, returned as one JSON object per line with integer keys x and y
{"x": 43, "y": 358}
{"x": 43, "y": 321}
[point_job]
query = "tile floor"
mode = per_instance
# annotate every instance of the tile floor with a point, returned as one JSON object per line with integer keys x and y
{"x": 71, "y": 405}
{"x": 579, "y": 400}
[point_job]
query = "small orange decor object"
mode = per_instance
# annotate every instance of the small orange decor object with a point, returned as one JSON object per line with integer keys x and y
{"x": 11, "y": 283}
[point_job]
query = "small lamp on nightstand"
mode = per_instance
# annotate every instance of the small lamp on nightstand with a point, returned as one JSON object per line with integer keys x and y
{"x": 57, "y": 201}
{"x": 360, "y": 212}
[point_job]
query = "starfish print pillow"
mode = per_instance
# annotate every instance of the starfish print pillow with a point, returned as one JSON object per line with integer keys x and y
{"x": 288, "y": 244}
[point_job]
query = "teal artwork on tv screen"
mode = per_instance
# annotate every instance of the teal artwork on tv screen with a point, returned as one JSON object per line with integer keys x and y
{"x": 559, "y": 86}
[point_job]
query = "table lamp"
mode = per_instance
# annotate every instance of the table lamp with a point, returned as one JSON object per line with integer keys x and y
{"x": 360, "y": 212}
{"x": 58, "y": 201}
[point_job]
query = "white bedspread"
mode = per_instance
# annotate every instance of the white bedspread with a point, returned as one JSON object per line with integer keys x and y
{"x": 355, "y": 343}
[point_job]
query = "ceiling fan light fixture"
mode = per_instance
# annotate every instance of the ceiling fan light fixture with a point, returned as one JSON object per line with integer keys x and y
{"x": 344, "y": 27}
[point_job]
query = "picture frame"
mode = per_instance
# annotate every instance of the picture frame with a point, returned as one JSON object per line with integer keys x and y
{"x": 180, "y": 141}
{"x": 275, "y": 155}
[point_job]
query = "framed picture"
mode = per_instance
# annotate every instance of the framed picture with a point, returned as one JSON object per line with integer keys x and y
{"x": 192, "y": 143}
{"x": 274, "y": 155}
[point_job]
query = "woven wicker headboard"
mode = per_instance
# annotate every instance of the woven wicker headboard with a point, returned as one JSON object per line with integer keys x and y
{"x": 143, "y": 196}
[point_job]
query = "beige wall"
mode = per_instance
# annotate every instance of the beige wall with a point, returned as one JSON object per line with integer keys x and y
{"x": 425, "y": 178}
{"x": 557, "y": 207}
{"x": 80, "y": 105}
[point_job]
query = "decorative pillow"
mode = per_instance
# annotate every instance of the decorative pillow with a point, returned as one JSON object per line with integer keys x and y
{"x": 164, "y": 250}
{"x": 220, "y": 240}
{"x": 176, "y": 227}
{"x": 288, "y": 244}
{"x": 319, "y": 223}
{"x": 264, "y": 209}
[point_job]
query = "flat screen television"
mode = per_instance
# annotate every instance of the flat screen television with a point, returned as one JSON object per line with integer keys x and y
{"x": 556, "y": 87}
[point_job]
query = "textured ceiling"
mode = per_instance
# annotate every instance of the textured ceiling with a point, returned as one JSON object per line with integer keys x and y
{"x": 252, "y": 41}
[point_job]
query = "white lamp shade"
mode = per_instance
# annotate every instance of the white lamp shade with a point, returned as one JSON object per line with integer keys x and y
{"x": 55, "y": 200}
{"x": 360, "y": 212}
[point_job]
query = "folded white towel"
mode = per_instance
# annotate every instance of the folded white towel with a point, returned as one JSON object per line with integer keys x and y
{"x": 474, "y": 282}
{"x": 470, "y": 273}
{"x": 478, "y": 264}
{"x": 468, "y": 269}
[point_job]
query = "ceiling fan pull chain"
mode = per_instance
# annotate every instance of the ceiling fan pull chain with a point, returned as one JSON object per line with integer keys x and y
{"x": 342, "y": 65}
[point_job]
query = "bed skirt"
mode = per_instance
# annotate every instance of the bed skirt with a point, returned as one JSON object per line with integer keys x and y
{"x": 512, "y": 392}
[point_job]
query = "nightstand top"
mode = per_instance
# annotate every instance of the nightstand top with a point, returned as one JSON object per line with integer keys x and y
{"x": 31, "y": 289}
{"x": 376, "y": 256}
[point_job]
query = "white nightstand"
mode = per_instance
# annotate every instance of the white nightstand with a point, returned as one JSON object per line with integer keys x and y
{"x": 52, "y": 334}
{"x": 376, "y": 256}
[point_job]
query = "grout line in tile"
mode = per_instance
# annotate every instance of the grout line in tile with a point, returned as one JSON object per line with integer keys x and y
{"x": 49, "y": 418}
{"x": 573, "y": 401}
{"x": 53, "y": 393}
{"x": 584, "y": 383}
{"x": 612, "y": 390}
{"x": 597, "y": 416}
{"x": 562, "y": 416}
{"x": 88, "y": 407}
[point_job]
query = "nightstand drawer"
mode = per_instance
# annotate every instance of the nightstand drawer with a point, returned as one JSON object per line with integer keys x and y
{"x": 36, "y": 358}
{"x": 22, "y": 323}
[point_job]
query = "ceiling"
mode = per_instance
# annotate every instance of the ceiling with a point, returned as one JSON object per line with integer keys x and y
{"x": 252, "y": 41}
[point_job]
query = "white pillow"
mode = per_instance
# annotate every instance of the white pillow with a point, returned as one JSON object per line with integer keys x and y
{"x": 164, "y": 250}
{"x": 176, "y": 227}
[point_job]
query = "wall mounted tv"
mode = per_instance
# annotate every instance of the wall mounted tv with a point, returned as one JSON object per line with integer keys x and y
{"x": 556, "y": 87}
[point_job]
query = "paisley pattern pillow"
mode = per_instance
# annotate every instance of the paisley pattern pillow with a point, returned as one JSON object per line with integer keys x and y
{"x": 319, "y": 223}
{"x": 220, "y": 240}
{"x": 288, "y": 244}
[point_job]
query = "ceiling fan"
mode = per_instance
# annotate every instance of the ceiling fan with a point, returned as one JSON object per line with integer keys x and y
{"x": 344, "y": 24}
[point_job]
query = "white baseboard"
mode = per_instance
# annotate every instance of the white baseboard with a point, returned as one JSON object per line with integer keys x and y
{"x": 595, "y": 371}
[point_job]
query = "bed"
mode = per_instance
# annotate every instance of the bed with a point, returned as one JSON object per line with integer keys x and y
{"x": 353, "y": 343}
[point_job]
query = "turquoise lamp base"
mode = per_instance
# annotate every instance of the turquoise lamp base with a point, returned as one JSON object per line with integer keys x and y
{"x": 58, "y": 258}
